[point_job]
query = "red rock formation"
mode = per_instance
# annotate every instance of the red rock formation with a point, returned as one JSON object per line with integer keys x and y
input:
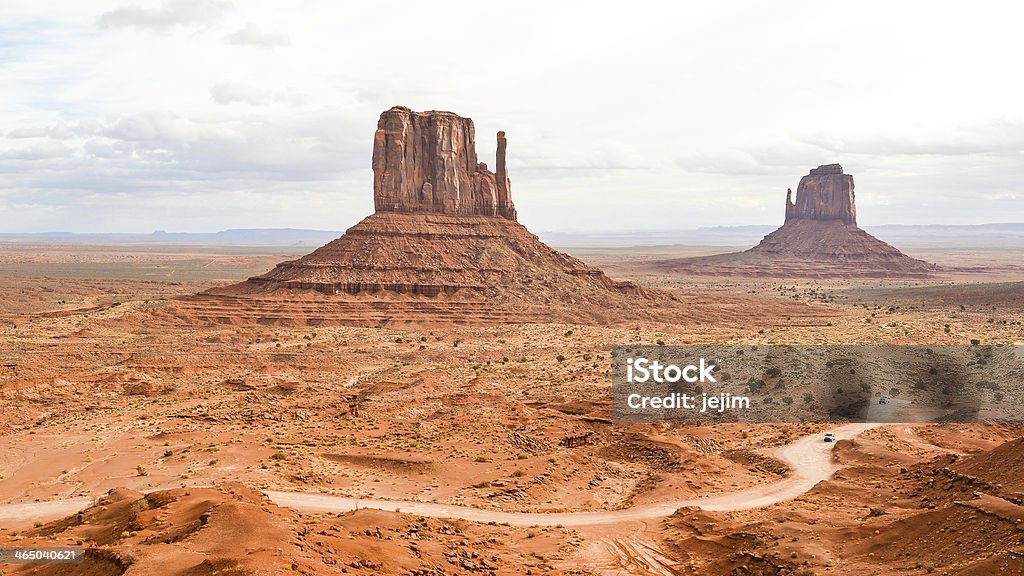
{"x": 443, "y": 246}
{"x": 426, "y": 162}
{"x": 824, "y": 194}
{"x": 819, "y": 238}
{"x": 505, "y": 207}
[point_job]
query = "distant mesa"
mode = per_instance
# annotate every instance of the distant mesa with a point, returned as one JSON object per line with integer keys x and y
{"x": 826, "y": 194}
{"x": 443, "y": 246}
{"x": 819, "y": 239}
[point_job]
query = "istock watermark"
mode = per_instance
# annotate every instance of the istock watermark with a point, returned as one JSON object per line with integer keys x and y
{"x": 641, "y": 370}
{"x": 747, "y": 383}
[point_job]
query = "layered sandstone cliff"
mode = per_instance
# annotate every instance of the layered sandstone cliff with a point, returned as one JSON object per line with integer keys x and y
{"x": 425, "y": 162}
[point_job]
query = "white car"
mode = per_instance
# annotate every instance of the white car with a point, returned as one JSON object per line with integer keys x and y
{"x": 830, "y": 437}
{"x": 884, "y": 399}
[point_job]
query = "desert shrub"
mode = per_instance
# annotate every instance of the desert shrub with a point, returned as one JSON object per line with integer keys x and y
{"x": 988, "y": 385}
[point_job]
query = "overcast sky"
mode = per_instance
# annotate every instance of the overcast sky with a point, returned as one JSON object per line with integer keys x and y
{"x": 202, "y": 115}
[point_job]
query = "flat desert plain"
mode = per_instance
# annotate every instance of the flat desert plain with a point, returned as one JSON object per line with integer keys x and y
{"x": 170, "y": 445}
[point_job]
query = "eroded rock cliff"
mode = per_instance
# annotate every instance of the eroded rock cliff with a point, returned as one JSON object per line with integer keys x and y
{"x": 426, "y": 162}
{"x": 824, "y": 194}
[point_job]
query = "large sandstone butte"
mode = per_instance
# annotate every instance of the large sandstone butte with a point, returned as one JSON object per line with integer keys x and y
{"x": 443, "y": 245}
{"x": 819, "y": 239}
{"x": 426, "y": 162}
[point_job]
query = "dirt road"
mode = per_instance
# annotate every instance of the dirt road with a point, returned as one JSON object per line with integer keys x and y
{"x": 809, "y": 458}
{"x": 27, "y": 511}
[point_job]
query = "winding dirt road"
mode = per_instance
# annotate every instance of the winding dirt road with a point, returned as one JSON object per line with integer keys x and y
{"x": 809, "y": 458}
{"x": 28, "y": 511}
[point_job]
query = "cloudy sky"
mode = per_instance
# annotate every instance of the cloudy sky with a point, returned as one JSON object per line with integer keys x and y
{"x": 202, "y": 115}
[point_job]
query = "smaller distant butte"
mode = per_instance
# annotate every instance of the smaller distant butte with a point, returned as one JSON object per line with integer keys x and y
{"x": 819, "y": 239}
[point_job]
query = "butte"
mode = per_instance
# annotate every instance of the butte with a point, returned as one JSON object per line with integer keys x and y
{"x": 443, "y": 246}
{"x": 819, "y": 239}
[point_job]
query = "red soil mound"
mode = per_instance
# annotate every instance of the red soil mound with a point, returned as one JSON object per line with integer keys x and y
{"x": 949, "y": 538}
{"x": 1000, "y": 468}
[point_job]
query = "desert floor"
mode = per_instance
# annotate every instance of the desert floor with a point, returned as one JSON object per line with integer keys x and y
{"x": 170, "y": 446}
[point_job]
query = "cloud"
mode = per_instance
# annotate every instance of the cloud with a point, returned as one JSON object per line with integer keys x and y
{"x": 34, "y": 132}
{"x": 988, "y": 138}
{"x": 240, "y": 93}
{"x": 766, "y": 159}
{"x": 99, "y": 149}
{"x": 232, "y": 92}
{"x": 253, "y": 35}
{"x": 171, "y": 14}
{"x": 154, "y": 127}
{"x": 680, "y": 120}
{"x": 181, "y": 150}
{"x": 43, "y": 151}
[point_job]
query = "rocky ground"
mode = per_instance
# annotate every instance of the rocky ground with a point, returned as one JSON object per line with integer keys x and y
{"x": 172, "y": 425}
